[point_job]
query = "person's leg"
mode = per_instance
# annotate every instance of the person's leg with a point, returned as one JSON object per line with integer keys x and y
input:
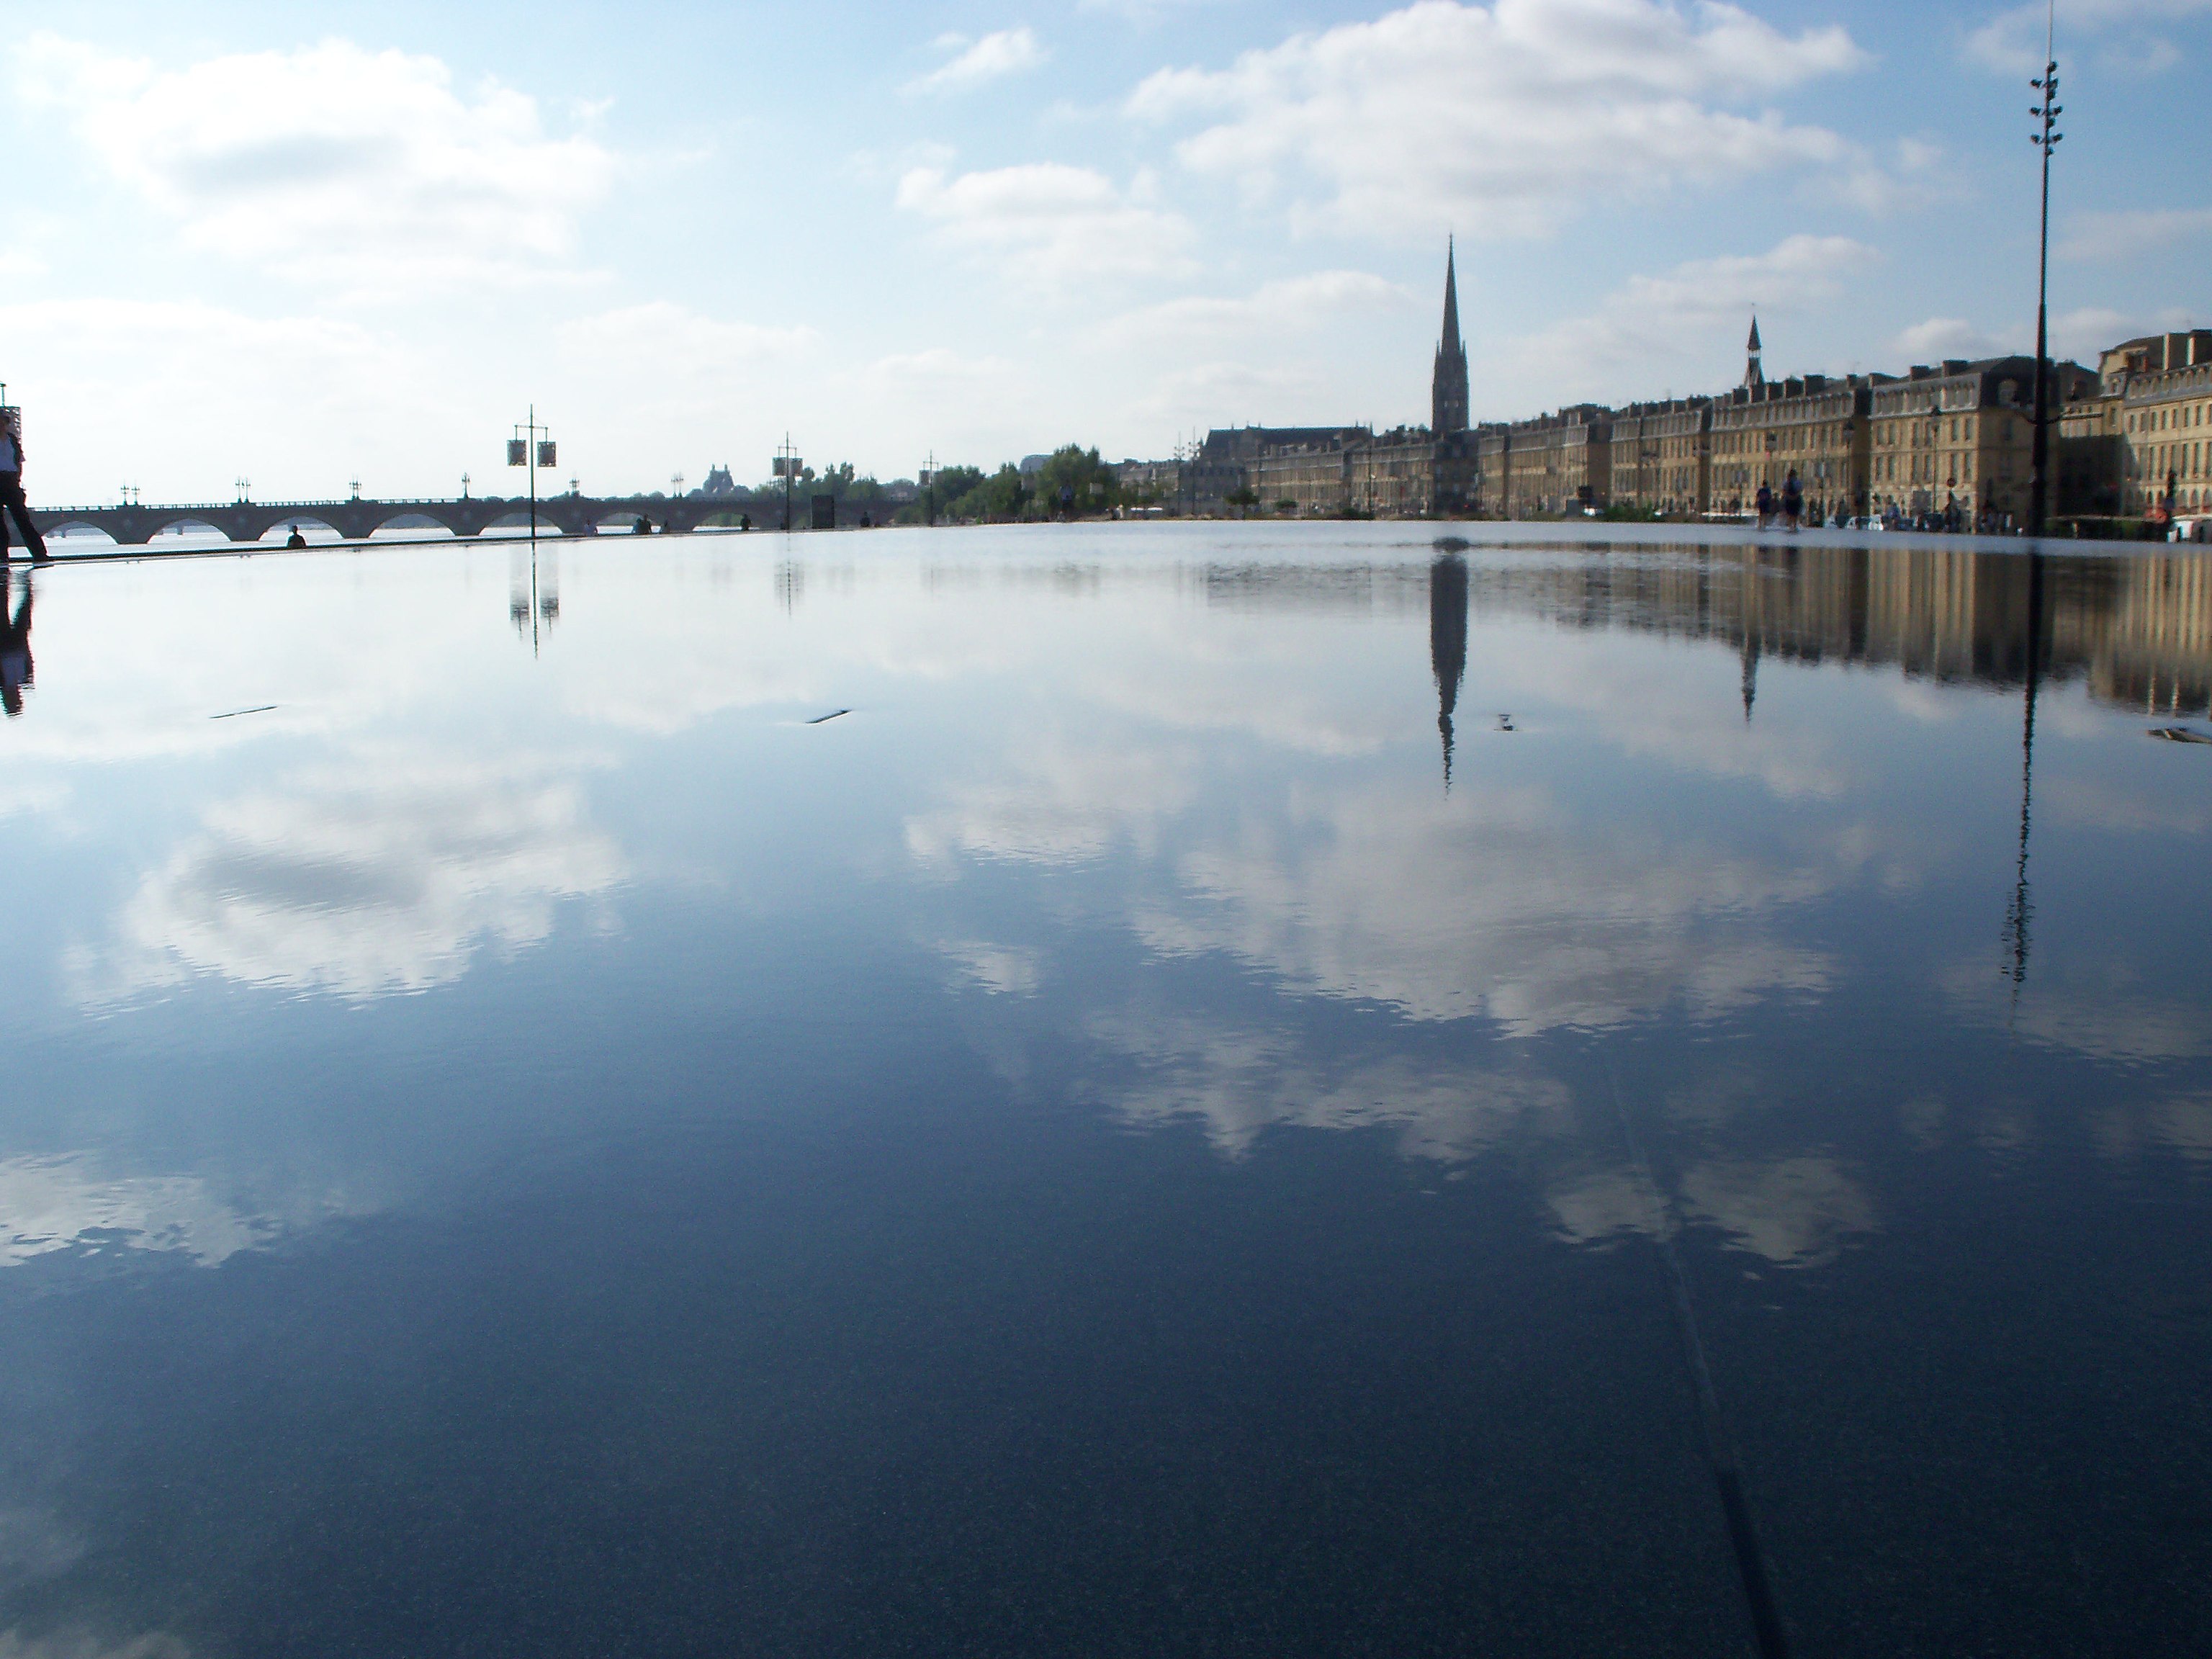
{"x": 20, "y": 510}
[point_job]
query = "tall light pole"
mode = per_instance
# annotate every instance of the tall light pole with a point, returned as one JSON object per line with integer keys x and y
{"x": 786, "y": 468}
{"x": 2046, "y": 141}
{"x": 532, "y": 446}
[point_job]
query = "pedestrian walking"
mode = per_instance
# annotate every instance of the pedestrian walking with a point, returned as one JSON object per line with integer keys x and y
{"x": 1793, "y": 502}
{"x": 11, "y": 487}
{"x": 1765, "y": 501}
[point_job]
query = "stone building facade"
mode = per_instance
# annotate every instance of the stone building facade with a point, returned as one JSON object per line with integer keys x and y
{"x": 1559, "y": 463}
{"x": 1661, "y": 456}
{"x": 1812, "y": 426}
{"x": 2163, "y": 388}
{"x": 1956, "y": 439}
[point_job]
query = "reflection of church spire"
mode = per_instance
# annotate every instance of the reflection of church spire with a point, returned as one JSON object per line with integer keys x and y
{"x": 1447, "y": 642}
{"x": 2021, "y": 911}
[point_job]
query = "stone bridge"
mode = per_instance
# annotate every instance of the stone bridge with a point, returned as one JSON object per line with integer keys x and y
{"x": 356, "y": 520}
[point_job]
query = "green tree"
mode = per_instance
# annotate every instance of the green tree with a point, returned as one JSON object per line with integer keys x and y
{"x": 1074, "y": 481}
{"x": 953, "y": 482}
{"x": 1004, "y": 495}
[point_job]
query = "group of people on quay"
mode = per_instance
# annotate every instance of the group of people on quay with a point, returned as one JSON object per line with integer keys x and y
{"x": 1784, "y": 509}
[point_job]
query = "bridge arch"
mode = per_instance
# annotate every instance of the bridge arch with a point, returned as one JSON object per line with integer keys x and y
{"x": 188, "y": 528}
{"x": 411, "y": 524}
{"x": 80, "y": 531}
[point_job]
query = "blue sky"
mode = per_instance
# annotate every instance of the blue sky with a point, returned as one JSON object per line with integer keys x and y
{"x": 304, "y": 244}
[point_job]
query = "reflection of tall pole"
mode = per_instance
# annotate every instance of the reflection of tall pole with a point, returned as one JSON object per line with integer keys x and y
{"x": 1750, "y": 672}
{"x": 1447, "y": 642}
{"x": 2022, "y": 909}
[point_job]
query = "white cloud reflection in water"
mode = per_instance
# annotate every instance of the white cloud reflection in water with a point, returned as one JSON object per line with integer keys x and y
{"x": 58, "y": 1202}
{"x": 1800, "y": 1210}
{"x": 384, "y": 874}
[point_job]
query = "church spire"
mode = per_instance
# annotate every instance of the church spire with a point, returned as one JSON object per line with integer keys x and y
{"x": 1447, "y": 389}
{"x": 1753, "y": 374}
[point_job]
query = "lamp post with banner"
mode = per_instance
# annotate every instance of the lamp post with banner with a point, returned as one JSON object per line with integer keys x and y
{"x": 532, "y": 446}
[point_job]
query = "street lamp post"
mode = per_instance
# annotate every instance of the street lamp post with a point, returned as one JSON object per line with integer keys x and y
{"x": 528, "y": 448}
{"x": 2046, "y": 141}
{"x": 786, "y": 468}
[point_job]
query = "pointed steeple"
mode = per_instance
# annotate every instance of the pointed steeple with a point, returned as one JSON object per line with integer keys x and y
{"x": 1447, "y": 389}
{"x": 1753, "y": 373}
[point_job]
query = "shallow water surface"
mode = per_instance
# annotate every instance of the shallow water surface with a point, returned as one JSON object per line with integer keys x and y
{"x": 1146, "y": 1090}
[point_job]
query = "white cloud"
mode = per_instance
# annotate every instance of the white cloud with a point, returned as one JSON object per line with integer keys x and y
{"x": 2079, "y": 334}
{"x": 2124, "y": 236}
{"x": 993, "y": 57}
{"x": 331, "y": 164}
{"x": 1049, "y": 226}
{"x": 1939, "y": 337}
{"x": 1507, "y": 119}
{"x": 1292, "y": 306}
{"x": 159, "y": 392}
{"x": 1692, "y": 318}
{"x": 2012, "y": 42}
{"x": 659, "y": 339}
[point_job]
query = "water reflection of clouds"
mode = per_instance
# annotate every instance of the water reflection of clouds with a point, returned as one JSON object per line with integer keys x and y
{"x": 380, "y": 875}
{"x": 60, "y": 1202}
{"x": 1800, "y": 1210}
{"x": 1498, "y": 901}
{"x": 1239, "y": 1082}
{"x": 2121, "y": 1013}
{"x": 1001, "y": 970}
{"x": 1504, "y": 905}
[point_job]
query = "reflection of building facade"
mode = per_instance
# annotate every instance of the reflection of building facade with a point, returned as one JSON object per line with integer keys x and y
{"x": 2136, "y": 632}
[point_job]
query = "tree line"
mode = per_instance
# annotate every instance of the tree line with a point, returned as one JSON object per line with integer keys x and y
{"x": 1074, "y": 483}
